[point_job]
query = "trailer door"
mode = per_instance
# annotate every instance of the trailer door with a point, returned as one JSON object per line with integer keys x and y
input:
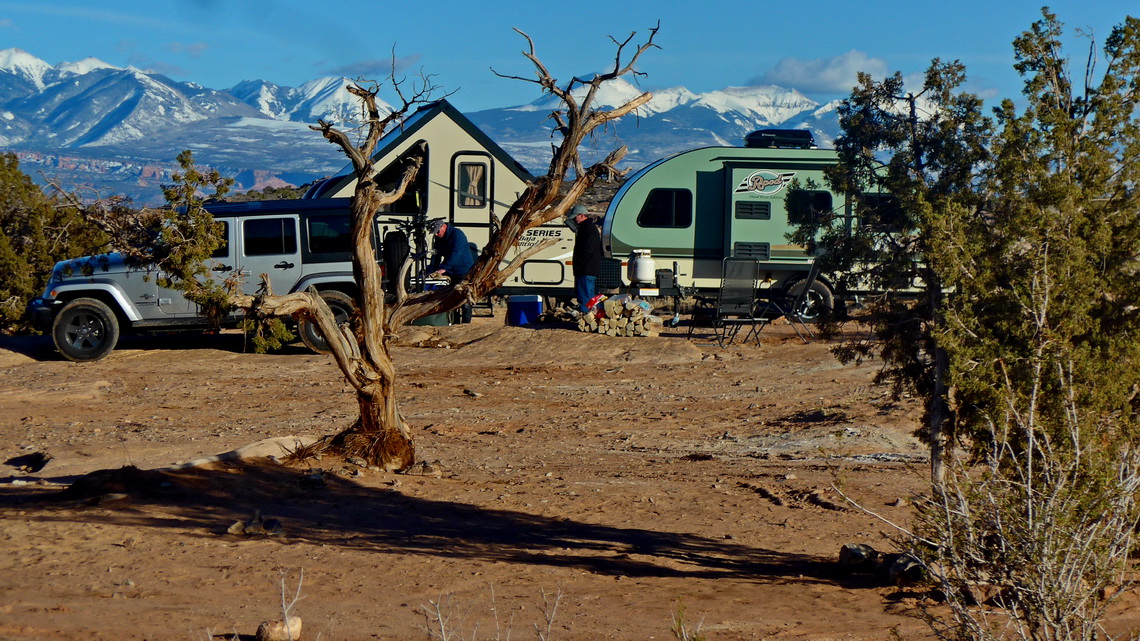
{"x": 755, "y": 219}
{"x": 472, "y": 193}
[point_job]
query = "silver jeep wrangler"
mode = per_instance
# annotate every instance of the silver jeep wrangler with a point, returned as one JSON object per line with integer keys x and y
{"x": 299, "y": 243}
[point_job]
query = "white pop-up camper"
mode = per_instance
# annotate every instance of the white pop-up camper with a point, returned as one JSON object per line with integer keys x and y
{"x": 467, "y": 180}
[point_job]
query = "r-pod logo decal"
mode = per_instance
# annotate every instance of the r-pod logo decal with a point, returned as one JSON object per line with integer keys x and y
{"x": 765, "y": 181}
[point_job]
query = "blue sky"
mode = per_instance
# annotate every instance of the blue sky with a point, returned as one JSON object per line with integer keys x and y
{"x": 812, "y": 45}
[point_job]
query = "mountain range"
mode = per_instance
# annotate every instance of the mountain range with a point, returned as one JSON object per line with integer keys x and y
{"x": 117, "y": 130}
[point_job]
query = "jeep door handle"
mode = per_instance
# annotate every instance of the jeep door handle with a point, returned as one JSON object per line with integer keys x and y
{"x": 223, "y": 268}
{"x": 283, "y": 265}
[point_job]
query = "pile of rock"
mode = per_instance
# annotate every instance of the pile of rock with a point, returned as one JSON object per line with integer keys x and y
{"x": 621, "y": 315}
{"x": 901, "y": 568}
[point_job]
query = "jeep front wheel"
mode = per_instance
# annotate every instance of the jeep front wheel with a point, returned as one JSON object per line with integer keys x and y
{"x": 342, "y": 307}
{"x": 85, "y": 330}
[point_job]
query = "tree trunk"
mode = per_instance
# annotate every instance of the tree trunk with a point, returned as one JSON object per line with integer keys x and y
{"x": 939, "y": 410}
{"x": 939, "y": 419}
{"x": 380, "y": 435}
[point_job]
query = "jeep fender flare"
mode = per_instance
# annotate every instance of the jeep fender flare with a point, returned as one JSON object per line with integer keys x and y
{"x": 340, "y": 281}
{"x": 110, "y": 292}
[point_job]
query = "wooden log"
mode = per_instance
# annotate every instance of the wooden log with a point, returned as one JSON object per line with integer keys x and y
{"x": 613, "y": 308}
{"x": 622, "y": 317}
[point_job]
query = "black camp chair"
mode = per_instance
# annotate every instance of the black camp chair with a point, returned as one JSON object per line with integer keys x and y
{"x": 735, "y": 303}
{"x": 783, "y": 303}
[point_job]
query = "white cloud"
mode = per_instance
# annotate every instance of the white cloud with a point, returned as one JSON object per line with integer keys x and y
{"x": 193, "y": 49}
{"x": 150, "y": 65}
{"x": 92, "y": 15}
{"x": 374, "y": 68}
{"x": 824, "y": 75}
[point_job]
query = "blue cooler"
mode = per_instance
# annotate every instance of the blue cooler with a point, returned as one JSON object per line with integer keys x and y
{"x": 522, "y": 310}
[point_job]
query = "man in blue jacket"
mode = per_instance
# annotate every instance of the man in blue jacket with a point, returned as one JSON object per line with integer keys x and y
{"x": 453, "y": 256}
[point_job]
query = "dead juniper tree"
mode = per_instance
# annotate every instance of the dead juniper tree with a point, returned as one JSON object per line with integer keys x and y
{"x": 361, "y": 347}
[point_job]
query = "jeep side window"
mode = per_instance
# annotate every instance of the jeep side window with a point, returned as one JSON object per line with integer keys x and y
{"x": 329, "y": 234}
{"x": 223, "y": 250}
{"x": 267, "y": 236}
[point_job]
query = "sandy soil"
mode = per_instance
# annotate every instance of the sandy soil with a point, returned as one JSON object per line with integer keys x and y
{"x": 631, "y": 477}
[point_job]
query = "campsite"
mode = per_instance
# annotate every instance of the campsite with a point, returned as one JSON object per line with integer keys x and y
{"x": 634, "y": 476}
{"x": 885, "y": 389}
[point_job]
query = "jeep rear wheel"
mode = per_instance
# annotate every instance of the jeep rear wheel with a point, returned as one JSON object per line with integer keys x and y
{"x": 342, "y": 307}
{"x": 85, "y": 330}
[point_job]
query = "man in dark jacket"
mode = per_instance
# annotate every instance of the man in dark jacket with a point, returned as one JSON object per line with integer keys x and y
{"x": 453, "y": 256}
{"x": 587, "y": 255}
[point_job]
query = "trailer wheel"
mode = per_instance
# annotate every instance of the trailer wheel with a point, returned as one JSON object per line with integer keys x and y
{"x": 85, "y": 329}
{"x": 342, "y": 307}
{"x": 817, "y": 303}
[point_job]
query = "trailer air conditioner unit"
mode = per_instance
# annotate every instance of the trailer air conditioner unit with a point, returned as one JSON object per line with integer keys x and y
{"x": 780, "y": 139}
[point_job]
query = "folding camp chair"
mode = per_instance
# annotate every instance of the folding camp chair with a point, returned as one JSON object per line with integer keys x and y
{"x": 783, "y": 303}
{"x": 736, "y": 302}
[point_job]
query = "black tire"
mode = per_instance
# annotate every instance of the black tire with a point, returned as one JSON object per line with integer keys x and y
{"x": 85, "y": 330}
{"x": 342, "y": 306}
{"x": 395, "y": 250}
{"x": 818, "y": 302}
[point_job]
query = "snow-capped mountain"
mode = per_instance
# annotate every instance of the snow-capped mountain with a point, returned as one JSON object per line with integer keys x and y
{"x": 325, "y": 98}
{"x": 119, "y": 129}
{"x": 24, "y": 67}
{"x": 675, "y": 119}
{"x": 768, "y": 104}
{"x": 91, "y": 103}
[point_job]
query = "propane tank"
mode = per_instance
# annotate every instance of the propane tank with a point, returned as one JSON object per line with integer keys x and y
{"x": 641, "y": 267}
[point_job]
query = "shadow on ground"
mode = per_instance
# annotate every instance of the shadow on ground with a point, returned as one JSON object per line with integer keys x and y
{"x": 41, "y": 347}
{"x": 325, "y": 509}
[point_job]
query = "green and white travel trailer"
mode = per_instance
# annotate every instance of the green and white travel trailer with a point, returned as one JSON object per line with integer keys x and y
{"x": 695, "y": 208}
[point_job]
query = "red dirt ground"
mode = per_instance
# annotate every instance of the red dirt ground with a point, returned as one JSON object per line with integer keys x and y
{"x": 634, "y": 477}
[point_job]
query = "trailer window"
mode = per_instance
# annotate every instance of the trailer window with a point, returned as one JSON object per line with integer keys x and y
{"x": 472, "y": 184}
{"x": 882, "y": 212}
{"x": 807, "y": 206}
{"x": 414, "y": 200}
{"x": 667, "y": 208}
